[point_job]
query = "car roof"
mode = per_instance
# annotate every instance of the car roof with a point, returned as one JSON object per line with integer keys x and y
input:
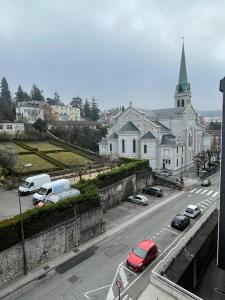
{"x": 155, "y": 187}
{"x": 139, "y": 195}
{"x": 180, "y": 217}
{"x": 192, "y": 206}
{"x": 146, "y": 244}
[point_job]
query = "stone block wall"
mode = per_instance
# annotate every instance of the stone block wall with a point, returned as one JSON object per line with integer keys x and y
{"x": 49, "y": 244}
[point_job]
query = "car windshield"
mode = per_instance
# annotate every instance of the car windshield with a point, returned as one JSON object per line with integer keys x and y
{"x": 42, "y": 191}
{"x": 140, "y": 252}
{"x": 25, "y": 184}
{"x": 189, "y": 210}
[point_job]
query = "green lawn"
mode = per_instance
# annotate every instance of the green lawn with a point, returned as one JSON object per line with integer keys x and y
{"x": 38, "y": 163}
{"x": 43, "y": 146}
{"x": 16, "y": 147}
{"x": 70, "y": 159}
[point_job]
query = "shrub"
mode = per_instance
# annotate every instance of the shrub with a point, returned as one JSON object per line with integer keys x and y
{"x": 38, "y": 219}
{"x": 129, "y": 189}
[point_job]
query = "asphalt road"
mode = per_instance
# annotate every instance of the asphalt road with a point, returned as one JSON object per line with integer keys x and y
{"x": 93, "y": 274}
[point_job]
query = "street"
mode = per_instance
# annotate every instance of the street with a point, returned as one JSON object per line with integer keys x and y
{"x": 93, "y": 274}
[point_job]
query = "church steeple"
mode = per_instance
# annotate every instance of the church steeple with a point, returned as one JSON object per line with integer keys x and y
{"x": 182, "y": 92}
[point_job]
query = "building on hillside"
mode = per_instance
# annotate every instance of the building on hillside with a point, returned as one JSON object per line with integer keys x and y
{"x": 214, "y": 130}
{"x": 30, "y": 111}
{"x": 64, "y": 113}
{"x": 107, "y": 117}
{"x": 168, "y": 138}
{"x": 73, "y": 124}
{"x": 12, "y": 128}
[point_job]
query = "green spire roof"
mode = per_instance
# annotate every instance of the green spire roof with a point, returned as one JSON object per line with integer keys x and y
{"x": 183, "y": 85}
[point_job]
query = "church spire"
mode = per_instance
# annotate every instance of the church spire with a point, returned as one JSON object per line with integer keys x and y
{"x": 183, "y": 92}
{"x": 183, "y": 84}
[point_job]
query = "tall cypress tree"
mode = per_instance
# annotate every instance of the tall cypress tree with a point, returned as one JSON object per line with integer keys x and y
{"x": 5, "y": 93}
{"x": 36, "y": 94}
{"x": 87, "y": 112}
{"x": 6, "y": 107}
{"x": 94, "y": 111}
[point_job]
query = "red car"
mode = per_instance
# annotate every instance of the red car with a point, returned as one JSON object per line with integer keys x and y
{"x": 140, "y": 257}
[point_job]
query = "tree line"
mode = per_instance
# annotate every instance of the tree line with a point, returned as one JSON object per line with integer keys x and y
{"x": 88, "y": 108}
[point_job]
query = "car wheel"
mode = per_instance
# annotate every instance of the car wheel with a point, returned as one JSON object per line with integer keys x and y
{"x": 143, "y": 268}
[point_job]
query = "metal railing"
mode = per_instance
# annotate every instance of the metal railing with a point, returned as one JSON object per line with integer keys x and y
{"x": 162, "y": 266}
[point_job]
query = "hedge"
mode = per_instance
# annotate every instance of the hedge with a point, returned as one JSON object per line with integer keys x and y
{"x": 116, "y": 174}
{"x": 38, "y": 219}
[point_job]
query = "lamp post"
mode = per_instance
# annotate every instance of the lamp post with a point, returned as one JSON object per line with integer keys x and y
{"x": 21, "y": 220}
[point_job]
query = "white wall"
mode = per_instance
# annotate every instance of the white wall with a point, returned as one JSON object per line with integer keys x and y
{"x": 11, "y": 128}
{"x": 128, "y": 138}
{"x": 151, "y": 154}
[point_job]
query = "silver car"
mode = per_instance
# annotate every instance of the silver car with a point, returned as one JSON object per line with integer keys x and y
{"x": 139, "y": 199}
{"x": 192, "y": 211}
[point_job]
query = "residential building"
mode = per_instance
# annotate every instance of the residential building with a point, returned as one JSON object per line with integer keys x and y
{"x": 168, "y": 138}
{"x": 7, "y": 127}
{"x": 64, "y": 113}
{"x": 30, "y": 111}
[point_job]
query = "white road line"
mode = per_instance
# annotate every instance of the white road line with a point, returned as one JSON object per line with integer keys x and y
{"x": 101, "y": 288}
{"x": 110, "y": 295}
{"x": 207, "y": 200}
{"x": 123, "y": 277}
{"x": 203, "y": 192}
{"x": 193, "y": 190}
{"x": 204, "y": 202}
{"x": 189, "y": 195}
{"x": 202, "y": 205}
{"x": 214, "y": 195}
{"x": 198, "y": 191}
{"x": 171, "y": 230}
{"x": 129, "y": 271}
{"x": 210, "y": 192}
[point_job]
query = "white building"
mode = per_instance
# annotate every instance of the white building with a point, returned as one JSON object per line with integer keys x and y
{"x": 64, "y": 113}
{"x": 11, "y": 128}
{"x": 168, "y": 138}
{"x": 30, "y": 111}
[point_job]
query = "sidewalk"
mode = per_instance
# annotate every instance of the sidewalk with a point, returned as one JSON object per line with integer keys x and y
{"x": 52, "y": 264}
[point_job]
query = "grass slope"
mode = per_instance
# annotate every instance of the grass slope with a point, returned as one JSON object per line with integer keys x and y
{"x": 70, "y": 159}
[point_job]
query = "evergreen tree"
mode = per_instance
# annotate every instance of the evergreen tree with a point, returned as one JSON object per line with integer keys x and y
{"x": 78, "y": 103}
{"x": 94, "y": 110}
{"x": 87, "y": 111}
{"x": 7, "y": 111}
{"x": 21, "y": 95}
{"x": 5, "y": 93}
{"x": 36, "y": 94}
{"x": 55, "y": 100}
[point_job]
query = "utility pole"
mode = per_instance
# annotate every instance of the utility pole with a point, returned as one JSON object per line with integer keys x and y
{"x": 221, "y": 221}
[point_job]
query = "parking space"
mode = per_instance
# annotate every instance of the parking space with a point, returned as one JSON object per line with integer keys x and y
{"x": 126, "y": 210}
{"x": 9, "y": 203}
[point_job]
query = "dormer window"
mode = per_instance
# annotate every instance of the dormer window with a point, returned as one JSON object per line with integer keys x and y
{"x": 182, "y": 103}
{"x": 178, "y": 103}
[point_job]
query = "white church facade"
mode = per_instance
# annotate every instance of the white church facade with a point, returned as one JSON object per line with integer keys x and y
{"x": 168, "y": 138}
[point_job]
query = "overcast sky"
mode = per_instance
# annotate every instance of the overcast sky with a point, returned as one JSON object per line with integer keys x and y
{"x": 115, "y": 50}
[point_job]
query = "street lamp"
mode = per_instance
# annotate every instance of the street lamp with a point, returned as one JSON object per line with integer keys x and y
{"x": 21, "y": 220}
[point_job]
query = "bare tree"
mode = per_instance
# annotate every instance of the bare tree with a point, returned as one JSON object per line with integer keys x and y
{"x": 8, "y": 159}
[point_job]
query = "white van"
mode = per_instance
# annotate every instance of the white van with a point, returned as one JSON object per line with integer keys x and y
{"x": 32, "y": 184}
{"x": 62, "y": 195}
{"x": 51, "y": 188}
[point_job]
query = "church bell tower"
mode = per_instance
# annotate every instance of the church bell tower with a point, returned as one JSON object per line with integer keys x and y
{"x": 183, "y": 92}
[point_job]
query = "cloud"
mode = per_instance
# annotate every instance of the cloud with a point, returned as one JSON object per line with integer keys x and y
{"x": 114, "y": 50}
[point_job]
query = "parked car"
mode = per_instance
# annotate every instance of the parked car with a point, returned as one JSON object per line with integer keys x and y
{"x": 164, "y": 173}
{"x": 51, "y": 189}
{"x": 54, "y": 198}
{"x": 192, "y": 211}
{"x": 180, "y": 222}
{"x": 33, "y": 183}
{"x": 140, "y": 199}
{"x": 141, "y": 256}
{"x": 206, "y": 182}
{"x": 154, "y": 190}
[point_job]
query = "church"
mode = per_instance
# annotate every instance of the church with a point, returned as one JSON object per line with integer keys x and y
{"x": 169, "y": 138}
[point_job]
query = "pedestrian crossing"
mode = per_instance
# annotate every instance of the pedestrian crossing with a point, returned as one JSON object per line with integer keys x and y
{"x": 206, "y": 192}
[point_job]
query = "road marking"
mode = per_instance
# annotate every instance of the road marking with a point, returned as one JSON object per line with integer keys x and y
{"x": 129, "y": 271}
{"x": 214, "y": 195}
{"x": 123, "y": 277}
{"x": 189, "y": 195}
{"x": 198, "y": 191}
{"x": 193, "y": 190}
{"x": 204, "y": 202}
{"x": 101, "y": 288}
{"x": 110, "y": 295}
{"x": 126, "y": 298}
{"x": 210, "y": 192}
{"x": 207, "y": 200}
{"x": 203, "y": 192}
{"x": 171, "y": 230}
{"x": 202, "y": 205}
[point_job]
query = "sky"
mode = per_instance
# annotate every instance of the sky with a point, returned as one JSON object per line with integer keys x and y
{"x": 115, "y": 50}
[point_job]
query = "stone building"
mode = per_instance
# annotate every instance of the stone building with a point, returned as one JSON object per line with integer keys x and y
{"x": 168, "y": 138}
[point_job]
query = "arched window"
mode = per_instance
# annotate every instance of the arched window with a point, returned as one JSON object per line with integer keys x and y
{"x": 182, "y": 103}
{"x": 110, "y": 147}
{"x": 123, "y": 146}
{"x": 178, "y": 103}
{"x": 134, "y": 146}
{"x": 145, "y": 148}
